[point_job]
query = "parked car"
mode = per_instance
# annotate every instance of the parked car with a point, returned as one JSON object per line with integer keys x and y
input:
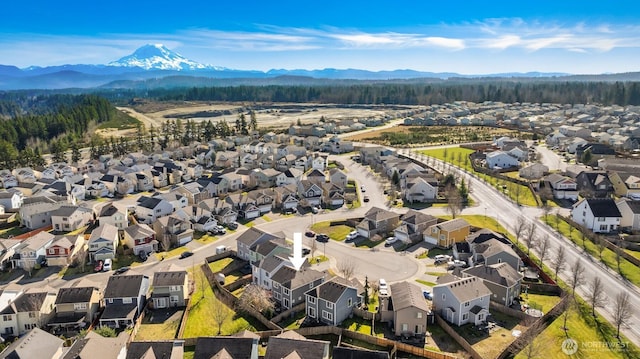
{"x": 427, "y": 294}
{"x": 366, "y": 198}
{"x": 314, "y": 210}
{"x": 362, "y": 189}
{"x": 98, "y": 266}
{"x": 456, "y": 263}
{"x": 186, "y": 254}
{"x": 219, "y": 229}
{"x": 351, "y": 236}
{"x": 322, "y": 238}
{"x": 107, "y": 265}
{"x": 305, "y": 251}
{"x": 120, "y": 270}
{"x": 143, "y": 256}
{"x": 442, "y": 258}
{"x": 383, "y": 289}
{"x": 310, "y": 234}
{"x": 390, "y": 240}
{"x": 232, "y": 226}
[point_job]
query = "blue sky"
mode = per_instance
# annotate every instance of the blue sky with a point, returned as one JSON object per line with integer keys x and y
{"x": 469, "y": 37}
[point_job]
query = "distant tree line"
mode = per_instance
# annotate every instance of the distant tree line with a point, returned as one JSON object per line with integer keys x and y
{"x": 606, "y": 93}
{"x": 47, "y": 123}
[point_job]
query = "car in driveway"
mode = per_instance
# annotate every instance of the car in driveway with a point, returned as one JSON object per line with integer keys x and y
{"x": 321, "y": 237}
{"x": 427, "y": 294}
{"x": 366, "y": 198}
{"x": 351, "y": 236}
{"x": 310, "y": 234}
{"x": 186, "y": 254}
{"x": 390, "y": 240}
{"x": 383, "y": 289}
{"x": 456, "y": 263}
{"x": 232, "y": 226}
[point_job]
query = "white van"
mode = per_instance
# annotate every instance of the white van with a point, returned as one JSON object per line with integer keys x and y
{"x": 221, "y": 249}
{"x": 383, "y": 288}
{"x": 107, "y": 265}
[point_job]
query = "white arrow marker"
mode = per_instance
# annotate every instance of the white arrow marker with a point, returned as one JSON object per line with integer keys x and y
{"x": 297, "y": 260}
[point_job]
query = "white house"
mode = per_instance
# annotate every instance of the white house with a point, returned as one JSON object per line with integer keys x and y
{"x": 32, "y": 250}
{"x": 418, "y": 190}
{"x": 149, "y": 209}
{"x": 601, "y": 215}
{"x": 12, "y": 199}
{"x": 563, "y": 187}
{"x": 500, "y": 159}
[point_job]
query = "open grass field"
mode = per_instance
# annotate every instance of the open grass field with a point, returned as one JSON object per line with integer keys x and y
{"x": 405, "y": 135}
{"x": 456, "y": 156}
{"x": 337, "y": 233}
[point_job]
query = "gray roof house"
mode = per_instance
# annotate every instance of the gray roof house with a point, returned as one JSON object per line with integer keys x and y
{"x": 248, "y": 241}
{"x": 226, "y": 347}
{"x": 35, "y": 344}
{"x": 502, "y": 280}
{"x": 124, "y": 298}
{"x": 462, "y": 301}
{"x": 293, "y": 345}
{"x": 332, "y": 301}
{"x": 289, "y": 285}
{"x": 409, "y": 309}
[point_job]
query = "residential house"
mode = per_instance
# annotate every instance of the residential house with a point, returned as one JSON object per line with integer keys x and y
{"x": 62, "y": 249}
{"x": 417, "y": 189}
{"x": 201, "y": 219}
{"x": 264, "y": 199}
{"x": 562, "y": 187}
{"x": 488, "y": 247}
{"x": 143, "y": 181}
{"x": 31, "y": 309}
{"x": 263, "y": 270}
{"x": 290, "y": 285}
{"x": 230, "y": 347}
{"x": 630, "y": 211}
{"x": 501, "y": 279}
{"x": 316, "y": 176}
{"x": 289, "y": 176}
{"x": 93, "y": 345}
{"x": 35, "y": 344}
{"x": 124, "y": 298}
{"x": 35, "y": 212}
{"x": 245, "y": 205}
{"x": 32, "y": 251}
{"x": 265, "y": 178}
{"x": 594, "y": 184}
{"x": 462, "y": 301}
{"x": 447, "y": 233}
{"x": 320, "y": 162}
{"x": 110, "y": 214}
{"x": 625, "y": 184}
{"x": 103, "y": 242}
{"x": 310, "y": 194}
{"x": 75, "y": 307}
{"x": 173, "y": 349}
{"x": 500, "y": 159}
{"x": 409, "y": 309}
{"x": 533, "y": 171}
{"x": 293, "y": 345}
{"x": 601, "y": 215}
{"x": 221, "y": 210}
{"x": 412, "y": 224}
{"x": 170, "y": 289}
{"x": 149, "y": 209}
{"x": 377, "y": 221}
{"x": 140, "y": 238}
{"x": 234, "y": 181}
{"x": 286, "y": 197}
{"x": 332, "y": 195}
{"x": 8, "y": 180}
{"x": 338, "y": 177}
{"x": 70, "y": 218}
{"x": 11, "y": 200}
{"x": 173, "y": 231}
{"x": 195, "y": 192}
{"x": 248, "y": 241}
{"x": 597, "y": 152}
{"x": 175, "y": 198}
{"x": 333, "y": 301}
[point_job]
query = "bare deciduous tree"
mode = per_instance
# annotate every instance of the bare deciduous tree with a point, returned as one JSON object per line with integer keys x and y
{"x": 568, "y": 307}
{"x": 620, "y": 246}
{"x": 347, "y": 268}
{"x": 577, "y": 276}
{"x": 558, "y": 262}
{"x": 600, "y": 244}
{"x": 543, "y": 248}
{"x": 530, "y": 238}
{"x": 165, "y": 240}
{"x": 313, "y": 249}
{"x": 557, "y": 220}
{"x": 621, "y": 311}
{"x": 220, "y": 313}
{"x": 520, "y": 228}
{"x": 530, "y": 345}
{"x": 257, "y": 298}
{"x": 596, "y": 295}
{"x": 80, "y": 258}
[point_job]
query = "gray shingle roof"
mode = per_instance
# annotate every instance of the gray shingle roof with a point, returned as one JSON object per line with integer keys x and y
{"x": 163, "y": 279}
{"x": 501, "y": 274}
{"x": 405, "y": 295}
{"x": 467, "y": 289}
{"x": 123, "y": 286}
{"x": 74, "y": 295}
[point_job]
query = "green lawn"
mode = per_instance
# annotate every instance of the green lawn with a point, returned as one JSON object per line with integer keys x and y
{"x": 293, "y": 322}
{"x": 12, "y": 232}
{"x": 318, "y": 259}
{"x": 628, "y": 269}
{"x": 541, "y": 301}
{"x": 220, "y": 264}
{"x": 516, "y": 192}
{"x": 430, "y": 284}
{"x": 337, "y": 233}
{"x": 204, "y": 237}
{"x": 436, "y": 274}
{"x": 360, "y": 325}
{"x": 171, "y": 253}
{"x": 200, "y": 323}
{"x": 160, "y": 331}
{"x": 583, "y": 328}
{"x": 121, "y": 121}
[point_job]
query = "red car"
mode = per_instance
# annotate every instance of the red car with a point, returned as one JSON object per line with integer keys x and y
{"x": 99, "y": 265}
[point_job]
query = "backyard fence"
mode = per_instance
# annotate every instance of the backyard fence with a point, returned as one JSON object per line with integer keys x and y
{"x": 457, "y": 337}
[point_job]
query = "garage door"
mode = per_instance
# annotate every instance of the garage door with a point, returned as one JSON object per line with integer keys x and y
{"x": 431, "y": 240}
{"x": 185, "y": 240}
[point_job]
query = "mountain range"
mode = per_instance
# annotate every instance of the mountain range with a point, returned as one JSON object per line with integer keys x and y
{"x": 156, "y": 65}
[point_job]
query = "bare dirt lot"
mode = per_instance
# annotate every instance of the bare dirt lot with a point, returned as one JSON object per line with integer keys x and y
{"x": 276, "y": 116}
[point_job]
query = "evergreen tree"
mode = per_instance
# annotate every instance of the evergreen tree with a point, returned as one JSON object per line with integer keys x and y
{"x": 75, "y": 152}
{"x": 253, "y": 122}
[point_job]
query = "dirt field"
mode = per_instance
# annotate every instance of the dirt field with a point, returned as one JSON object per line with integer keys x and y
{"x": 280, "y": 115}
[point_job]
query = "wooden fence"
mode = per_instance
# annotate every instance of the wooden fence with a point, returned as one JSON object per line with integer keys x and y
{"x": 365, "y": 314}
{"x": 278, "y": 318}
{"x": 183, "y": 320}
{"x": 459, "y": 339}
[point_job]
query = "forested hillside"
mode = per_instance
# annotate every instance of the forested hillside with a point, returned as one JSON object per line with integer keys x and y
{"x": 606, "y": 93}
{"x": 47, "y": 123}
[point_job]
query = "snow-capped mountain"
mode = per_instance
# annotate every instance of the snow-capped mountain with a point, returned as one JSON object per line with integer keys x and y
{"x": 158, "y": 57}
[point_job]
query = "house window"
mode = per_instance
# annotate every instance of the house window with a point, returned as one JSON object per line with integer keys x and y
{"x": 127, "y": 301}
{"x": 312, "y": 300}
{"x": 110, "y": 300}
{"x": 349, "y": 302}
{"x": 466, "y": 304}
{"x": 604, "y": 227}
{"x": 80, "y": 306}
{"x": 405, "y": 327}
{"x": 29, "y": 326}
{"x": 444, "y": 296}
{"x": 52, "y": 251}
{"x": 311, "y": 312}
{"x": 419, "y": 315}
{"x": 327, "y": 315}
{"x": 174, "y": 299}
{"x": 465, "y": 316}
{"x": 32, "y": 314}
{"x": 601, "y": 219}
{"x": 277, "y": 296}
{"x": 481, "y": 316}
{"x": 6, "y": 318}
{"x": 174, "y": 288}
{"x": 285, "y": 291}
{"x": 329, "y": 305}
{"x": 434, "y": 230}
